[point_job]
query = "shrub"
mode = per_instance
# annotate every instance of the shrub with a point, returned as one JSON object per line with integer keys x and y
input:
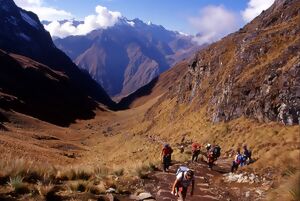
{"x": 141, "y": 171}
{"x": 74, "y": 174}
{"x": 16, "y": 183}
{"x": 101, "y": 172}
{"x": 79, "y": 186}
{"x": 44, "y": 189}
{"x": 119, "y": 172}
{"x": 294, "y": 190}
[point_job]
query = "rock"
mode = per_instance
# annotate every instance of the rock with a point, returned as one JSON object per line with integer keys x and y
{"x": 247, "y": 194}
{"x": 241, "y": 178}
{"x": 145, "y": 196}
{"x": 111, "y": 190}
{"x": 259, "y": 192}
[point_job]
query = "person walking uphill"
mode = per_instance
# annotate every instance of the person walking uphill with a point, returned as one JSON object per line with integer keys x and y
{"x": 183, "y": 180}
{"x": 195, "y": 151}
{"x": 237, "y": 160}
{"x": 166, "y": 154}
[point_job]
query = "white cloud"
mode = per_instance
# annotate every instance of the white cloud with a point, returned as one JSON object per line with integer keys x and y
{"x": 44, "y": 13}
{"x": 255, "y": 7}
{"x": 26, "y": 3}
{"x": 213, "y": 23}
{"x": 103, "y": 19}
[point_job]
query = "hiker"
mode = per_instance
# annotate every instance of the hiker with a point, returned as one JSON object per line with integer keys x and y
{"x": 181, "y": 148}
{"x": 237, "y": 160}
{"x": 208, "y": 146}
{"x": 166, "y": 157}
{"x": 210, "y": 157}
{"x": 246, "y": 156}
{"x": 195, "y": 151}
{"x": 184, "y": 178}
{"x": 216, "y": 152}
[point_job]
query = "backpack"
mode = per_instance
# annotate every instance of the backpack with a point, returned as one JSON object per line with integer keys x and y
{"x": 181, "y": 170}
{"x": 239, "y": 159}
{"x": 216, "y": 152}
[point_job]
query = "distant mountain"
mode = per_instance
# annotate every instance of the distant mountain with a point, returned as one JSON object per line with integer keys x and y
{"x": 128, "y": 55}
{"x": 157, "y": 87}
{"x": 22, "y": 33}
{"x": 253, "y": 73}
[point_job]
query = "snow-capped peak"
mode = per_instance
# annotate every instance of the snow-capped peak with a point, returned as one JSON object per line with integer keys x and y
{"x": 131, "y": 23}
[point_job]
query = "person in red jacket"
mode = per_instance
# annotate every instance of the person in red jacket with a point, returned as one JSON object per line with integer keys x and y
{"x": 195, "y": 151}
{"x": 166, "y": 154}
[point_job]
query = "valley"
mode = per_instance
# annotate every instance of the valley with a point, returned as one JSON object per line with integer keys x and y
{"x": 63, "y": 138}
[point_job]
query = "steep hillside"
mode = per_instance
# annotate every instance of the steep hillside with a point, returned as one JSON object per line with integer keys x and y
{"x": 252, "y": 73}
{"x": 143, "y": 51}
{"x": 32, "y": 88}
{"x": 22, "y": 33}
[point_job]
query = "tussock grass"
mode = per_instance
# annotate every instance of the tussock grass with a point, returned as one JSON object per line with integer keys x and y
{"x": 16, "y": 183}
{"x": 101, "y": 172}
{"x": 119, "y": 172}
{"x": 142, "y": 170}
{"x": 44, "y": 189}
{"x": 294, "y": 187}
{"x": 79, "y": 186}
{"x": 288, "y": 189}
{"x": 28, "y": 170}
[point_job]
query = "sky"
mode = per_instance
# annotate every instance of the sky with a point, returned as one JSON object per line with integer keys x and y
{"x": 212, "y": 19}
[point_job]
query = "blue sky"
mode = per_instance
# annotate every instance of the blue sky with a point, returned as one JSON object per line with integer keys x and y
{"x": 212, "y": 19}
{"x": 173, "y": 14}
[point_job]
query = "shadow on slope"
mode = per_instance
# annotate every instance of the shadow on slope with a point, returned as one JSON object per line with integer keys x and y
{"x": 34, "y": 89}
{"x": 143, "y": 91}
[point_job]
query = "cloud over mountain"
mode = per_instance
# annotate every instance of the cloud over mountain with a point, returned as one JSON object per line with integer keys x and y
{"x": 44, "y": 12}
{"x": 102, "y": 19}
{"x": 213, "y": 23}
{"x": 255, "y": 7}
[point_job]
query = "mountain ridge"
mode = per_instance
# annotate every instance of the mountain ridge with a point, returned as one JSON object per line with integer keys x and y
{"x": 143, "y": 51}
{"x": 22, "y": 33}
{"x": 253, "y": 72}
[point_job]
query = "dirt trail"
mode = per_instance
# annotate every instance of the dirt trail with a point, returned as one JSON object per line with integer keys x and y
{"x": 209, "y": 184}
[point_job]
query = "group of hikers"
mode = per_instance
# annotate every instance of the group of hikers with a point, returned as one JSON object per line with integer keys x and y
{"x": 241, "y": 159}
{"x": 213, "y": 152}
{"x": 185, "y": 176}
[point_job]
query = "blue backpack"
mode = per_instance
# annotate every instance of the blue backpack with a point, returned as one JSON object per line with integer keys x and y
{"x": 239, "y": 159}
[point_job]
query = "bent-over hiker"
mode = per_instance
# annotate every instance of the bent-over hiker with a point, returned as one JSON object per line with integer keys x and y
{"x": 184, "y": 178}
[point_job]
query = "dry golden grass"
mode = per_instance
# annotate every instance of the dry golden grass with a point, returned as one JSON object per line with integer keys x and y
{"x": 288, "y": 189}
{"x": 137, "y": 138}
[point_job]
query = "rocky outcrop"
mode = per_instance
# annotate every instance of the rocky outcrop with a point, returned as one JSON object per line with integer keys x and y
{"x": 254, "y": 72}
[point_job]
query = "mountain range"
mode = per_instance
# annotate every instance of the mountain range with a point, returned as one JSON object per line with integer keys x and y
{"x": 128, "y": 55}
{"x": 63, "y": 138}
{"x": 23, "y": 34}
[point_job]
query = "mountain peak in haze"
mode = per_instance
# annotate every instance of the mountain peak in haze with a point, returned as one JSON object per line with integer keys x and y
{"x": 143, "y": 51}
